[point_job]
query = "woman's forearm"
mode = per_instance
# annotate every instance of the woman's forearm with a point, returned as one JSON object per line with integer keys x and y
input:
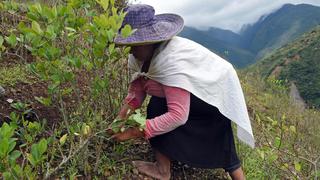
{"x": 178, "y": 102}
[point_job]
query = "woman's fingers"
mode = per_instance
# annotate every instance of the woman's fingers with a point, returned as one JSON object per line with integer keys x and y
{"x": 130, "y": 133}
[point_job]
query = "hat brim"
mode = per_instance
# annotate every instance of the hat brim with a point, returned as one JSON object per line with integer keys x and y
{"x": 164, "y": 27}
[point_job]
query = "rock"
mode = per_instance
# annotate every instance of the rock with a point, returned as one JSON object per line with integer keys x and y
{"x": 10, "y": 101}
{"x": 2, "y": 91}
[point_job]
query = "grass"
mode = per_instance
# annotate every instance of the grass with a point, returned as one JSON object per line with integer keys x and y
{"x": 287, "y": 137}
{"x": 9, "y": 76}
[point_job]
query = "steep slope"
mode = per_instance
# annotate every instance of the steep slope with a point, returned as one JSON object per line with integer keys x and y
{"x": 297, "y": 62}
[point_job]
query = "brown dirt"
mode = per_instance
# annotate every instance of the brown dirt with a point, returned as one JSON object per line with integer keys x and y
{"x": 26, "y": 93}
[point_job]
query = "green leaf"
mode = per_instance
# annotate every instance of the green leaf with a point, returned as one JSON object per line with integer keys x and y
{"x": 42, "y": 146}
{"x": 68, "y": 76}
{"x": 63, "y": 139}
{"x": 277, "y": 142}
{"x": 293, "y": 129}
{"x": 6, "y": 131}
{"x": 49, "y": 14}
{"x": 35, "y": 155}
{"x": 12, "y": 40}
{"x": 70, "y": 29}
{"x": 56, "y": 78}
{"x": 85, "y": 129}
{"x": 11, "y": 146}
{"x": 116, "y": 125}
{"x": 111, "y": 48}
{"x": 138, "y": 118}
{"x": 66, "y": 91}
{"x": 36, "y": 27}
{"x": 78, "y": 62}
{"x": 38, "y": 8}
{"x": 44, "y": 101}
{"x": 50, "y": 32}
{"x": 18, "y": 170}
{"x": 14, "y": 155}
{"x": 273, "y": 157}
{"x": 1, "y": 40}
{"x": 127, "y": 50}
{"x": 126, "y": 31}
{"x": 7, "y": 175}
{"x": 103, "y": 3}
{"x": 31, "y": 159}
{"x": 110, "y": 35}
{"x": 4, "y": 147}
{"x": 297, "y": 166}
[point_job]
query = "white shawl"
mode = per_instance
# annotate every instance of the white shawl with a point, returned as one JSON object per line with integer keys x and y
{"x": 185, "y": 64}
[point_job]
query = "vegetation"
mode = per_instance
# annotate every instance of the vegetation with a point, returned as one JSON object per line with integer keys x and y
{"x": 11, "y": 75}
{"x": 297, "y": 62}
{"x": 67, "y": 47}
{"x": 287, "y": 136}
{"x": 74, "y": 54}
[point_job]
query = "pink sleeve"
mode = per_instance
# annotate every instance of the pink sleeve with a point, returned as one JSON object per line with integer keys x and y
{"x": 178, "y": 102}
{"x": 136, "y": 94}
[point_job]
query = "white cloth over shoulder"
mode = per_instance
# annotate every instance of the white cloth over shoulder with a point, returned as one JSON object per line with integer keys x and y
{"x": 185, "y": 64}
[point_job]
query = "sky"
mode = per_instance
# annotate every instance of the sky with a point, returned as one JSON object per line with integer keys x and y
{"x": 225, "y": 14}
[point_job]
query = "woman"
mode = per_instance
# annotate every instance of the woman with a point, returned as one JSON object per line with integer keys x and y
{"x": 195, "y": 95}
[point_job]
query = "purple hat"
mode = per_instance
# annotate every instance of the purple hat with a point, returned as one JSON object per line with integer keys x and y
{"x": 149, "y": 28}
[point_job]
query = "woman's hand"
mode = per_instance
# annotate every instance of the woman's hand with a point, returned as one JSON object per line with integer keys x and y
{"x": 126, "y": 111}
{"x": 130, "y": 133}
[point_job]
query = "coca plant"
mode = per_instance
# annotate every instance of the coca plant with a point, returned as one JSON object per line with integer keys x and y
{"x": 72, "y": 44}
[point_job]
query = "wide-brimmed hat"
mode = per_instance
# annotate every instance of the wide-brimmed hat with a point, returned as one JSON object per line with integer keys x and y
{"x": 149, "y": 28}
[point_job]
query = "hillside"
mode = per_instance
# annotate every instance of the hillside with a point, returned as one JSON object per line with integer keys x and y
{"x": 213, "y": 40}
{"x": 256, "y": 40}
{"x": 65, "y": 81}
{"x": 297, "y": 62}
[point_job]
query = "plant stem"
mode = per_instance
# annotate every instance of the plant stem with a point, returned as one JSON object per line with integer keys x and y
{"x": 65, "y": 160}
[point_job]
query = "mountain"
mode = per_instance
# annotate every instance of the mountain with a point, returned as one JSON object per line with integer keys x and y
{"x": 298, "y": 63}
{"x": 280, "y": 27}
{"x": 256, "y": 40}
{"x": 225, "y": 47}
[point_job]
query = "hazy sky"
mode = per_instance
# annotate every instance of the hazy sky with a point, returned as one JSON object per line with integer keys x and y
{"x": 227, "y": 14}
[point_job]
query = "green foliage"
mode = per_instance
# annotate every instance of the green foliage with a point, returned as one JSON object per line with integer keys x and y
{"x": 306, "y": 74}
{"x": 134, "y": 120}
{"x": 298, "y": 62}
{"x": 138, "y": 118}
{"x": 286, "y": 135}
{"x": 12, "y": 75}
{"x": 74, "y": 54}
{"x": 126, "y": 31}
{"x": 10, "y": 153}
{"x": 37, "y": 152}
{"x": 44, "y": 101}
{"x": 1, "y": 41}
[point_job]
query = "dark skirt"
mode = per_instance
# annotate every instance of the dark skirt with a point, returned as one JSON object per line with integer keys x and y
{"x": 205, "y": 141}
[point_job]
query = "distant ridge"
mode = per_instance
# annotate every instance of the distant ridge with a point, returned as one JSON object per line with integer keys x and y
{"x": 254, "y": 41}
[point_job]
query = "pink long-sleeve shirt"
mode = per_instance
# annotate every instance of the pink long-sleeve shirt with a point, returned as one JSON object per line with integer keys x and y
{"x": 178, "y": 103}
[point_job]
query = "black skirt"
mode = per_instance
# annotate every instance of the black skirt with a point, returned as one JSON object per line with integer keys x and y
{"x": 205, "y": 141}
